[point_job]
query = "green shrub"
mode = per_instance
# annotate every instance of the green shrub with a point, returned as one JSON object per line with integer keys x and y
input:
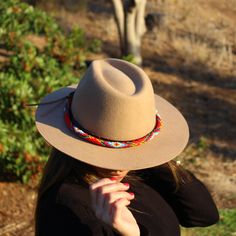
{"x": 38, "y": 58}
{"x": 129, "y": 58}
{"x": 225, "y": 227}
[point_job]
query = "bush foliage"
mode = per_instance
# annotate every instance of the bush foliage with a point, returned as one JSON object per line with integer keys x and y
{"x": 36, "y": 57}
{"x": 225, "y": 227}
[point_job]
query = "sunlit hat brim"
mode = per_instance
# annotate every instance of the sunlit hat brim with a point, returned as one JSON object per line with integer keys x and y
{"x": 168, "y": 144}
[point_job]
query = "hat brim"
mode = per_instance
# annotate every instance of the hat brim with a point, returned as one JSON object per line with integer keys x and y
{"x": 169, "y": 143}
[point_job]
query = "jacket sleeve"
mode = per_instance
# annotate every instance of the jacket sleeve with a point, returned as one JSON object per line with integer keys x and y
{"x": 75, "y": 216}
{"x": 191, "y": 201}
{"x": 67, "y": 223}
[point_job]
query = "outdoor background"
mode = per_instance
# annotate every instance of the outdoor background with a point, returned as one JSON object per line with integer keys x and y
{"x": 189, "y": 53}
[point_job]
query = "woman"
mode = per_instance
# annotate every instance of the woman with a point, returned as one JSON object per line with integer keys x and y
{"x": 111, "y": 170}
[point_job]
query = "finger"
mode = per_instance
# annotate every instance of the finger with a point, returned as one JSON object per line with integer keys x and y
{"x": 101, "y": 195}
{"x": 106, "y": 190}
{"x": 117, "y": 207}
{"x": 112, "y": 197}
{"x": 100, "y": 192}
{"x": 112, "y": 187}
{"x": 101, "y": 182}
{"x": 94, "y": 186}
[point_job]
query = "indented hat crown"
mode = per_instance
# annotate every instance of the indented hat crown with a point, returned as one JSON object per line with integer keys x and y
{"x": 115, "y": 101}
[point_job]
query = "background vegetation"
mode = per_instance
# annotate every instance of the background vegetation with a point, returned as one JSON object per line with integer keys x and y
{"x": 38, "y": 58}
{"x": 225, "y": 227}
{"x": 189, "y": 55}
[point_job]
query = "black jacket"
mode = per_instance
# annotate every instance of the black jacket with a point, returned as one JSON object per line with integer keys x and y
{"x": 157, "y": 207}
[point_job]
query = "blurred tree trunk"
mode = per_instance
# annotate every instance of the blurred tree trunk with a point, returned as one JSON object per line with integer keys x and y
{"x": 130, "y": 20}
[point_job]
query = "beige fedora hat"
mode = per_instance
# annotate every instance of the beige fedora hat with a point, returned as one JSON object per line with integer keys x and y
{"x": 115, "y": 102}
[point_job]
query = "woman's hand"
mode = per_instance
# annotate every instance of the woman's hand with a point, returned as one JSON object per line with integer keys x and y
{"x": 109, "y": 201}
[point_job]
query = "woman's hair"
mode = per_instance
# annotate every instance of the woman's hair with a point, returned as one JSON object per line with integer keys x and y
{"x": 61, "y": 167}
{"x": 179, "y": 174}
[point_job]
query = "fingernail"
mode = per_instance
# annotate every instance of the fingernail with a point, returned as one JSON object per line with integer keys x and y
{"x": 131, "y": 193}
{"x": 113, "y": 178}
{"x": 126, "y": 184}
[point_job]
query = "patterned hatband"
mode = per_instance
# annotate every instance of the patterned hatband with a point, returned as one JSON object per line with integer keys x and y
{"x": 84, "y": 134}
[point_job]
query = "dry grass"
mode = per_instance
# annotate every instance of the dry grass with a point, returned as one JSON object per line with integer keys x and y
{"x": 197, "y": 33}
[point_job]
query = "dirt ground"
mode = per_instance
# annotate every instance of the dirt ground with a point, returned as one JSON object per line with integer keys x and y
{"x": 206, "y": 97}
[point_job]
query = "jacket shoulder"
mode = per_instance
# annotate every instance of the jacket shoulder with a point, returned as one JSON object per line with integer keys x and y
{"x": 75, "y": 197}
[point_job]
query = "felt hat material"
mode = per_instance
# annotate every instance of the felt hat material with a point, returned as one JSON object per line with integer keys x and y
{"x": 114, "y": 100}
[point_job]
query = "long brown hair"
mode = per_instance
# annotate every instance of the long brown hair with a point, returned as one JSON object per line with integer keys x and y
{"x": 61, "y": 167}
